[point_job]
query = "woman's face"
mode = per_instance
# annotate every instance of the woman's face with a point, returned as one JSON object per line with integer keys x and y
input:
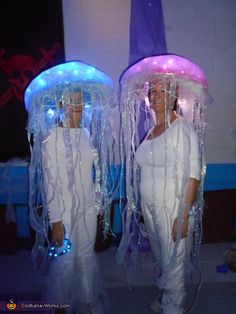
{"x": 160, "y": 98}
{"x": 74, "y": 107}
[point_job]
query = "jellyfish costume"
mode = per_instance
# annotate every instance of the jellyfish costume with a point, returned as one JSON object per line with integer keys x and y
{"x": 157, "y": 173}
{"x": 68, "y": 179}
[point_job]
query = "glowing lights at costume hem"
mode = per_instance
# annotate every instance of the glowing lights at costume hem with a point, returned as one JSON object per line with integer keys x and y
{"x": 55, "y": 251}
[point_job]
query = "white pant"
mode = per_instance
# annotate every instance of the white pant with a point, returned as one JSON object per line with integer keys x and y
{"x": 170, "y": 276}
{"x": 74, "y": 278}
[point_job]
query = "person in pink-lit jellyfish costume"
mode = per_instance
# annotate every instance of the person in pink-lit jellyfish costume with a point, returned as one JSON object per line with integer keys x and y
{"x": 170, "y": 168}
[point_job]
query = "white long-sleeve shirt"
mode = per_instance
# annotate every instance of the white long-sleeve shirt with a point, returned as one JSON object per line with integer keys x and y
{"x": 67, "y": 160}
{"x": 167, "y": 160}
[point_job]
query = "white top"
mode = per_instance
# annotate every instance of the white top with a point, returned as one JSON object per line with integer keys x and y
{"x": 67, "y": 160}
{"x": 168, "y": 159}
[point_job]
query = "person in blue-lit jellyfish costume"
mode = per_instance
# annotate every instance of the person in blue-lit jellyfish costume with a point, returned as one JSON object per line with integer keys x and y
{"x": 68, "y": 107}
{"x": 163, "y": 105}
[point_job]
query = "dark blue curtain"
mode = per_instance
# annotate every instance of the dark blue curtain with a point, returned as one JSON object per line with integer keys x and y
{"x": 147, "y": 31}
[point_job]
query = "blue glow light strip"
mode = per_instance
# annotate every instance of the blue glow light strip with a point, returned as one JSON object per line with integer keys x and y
{"x": 55, "y": 251}
{"x": 72, "y": 71}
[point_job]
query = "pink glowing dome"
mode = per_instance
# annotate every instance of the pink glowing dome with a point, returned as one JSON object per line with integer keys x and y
{"x": 168, "y": 65}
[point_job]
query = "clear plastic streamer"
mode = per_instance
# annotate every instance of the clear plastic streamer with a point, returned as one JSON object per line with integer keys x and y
{"x": 44, "y": 100}
{"x": 185, "y": 82}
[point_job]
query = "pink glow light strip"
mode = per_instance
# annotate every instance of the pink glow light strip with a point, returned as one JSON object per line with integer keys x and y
{"x": 169, "y": 65}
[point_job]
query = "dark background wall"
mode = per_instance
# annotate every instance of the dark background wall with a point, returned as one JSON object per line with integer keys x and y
{"x": 32, "y": 40}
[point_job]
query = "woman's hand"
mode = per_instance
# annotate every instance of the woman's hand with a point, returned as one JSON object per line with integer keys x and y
{"x": 57, "y": 233}
{"x": 184, "y": 231}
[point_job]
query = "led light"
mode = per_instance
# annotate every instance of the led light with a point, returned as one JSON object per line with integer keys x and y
{"x": 42, "y": 82}
{"x": 50, "y": 113}
{"x": 55, "y": 251}
{"x": 166, "y": 65}
{"x": 76, "y": 72}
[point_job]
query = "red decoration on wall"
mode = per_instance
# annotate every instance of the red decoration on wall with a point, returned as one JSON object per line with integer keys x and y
{"x": 20, "y": 69}
{"x": 32, "y": 41}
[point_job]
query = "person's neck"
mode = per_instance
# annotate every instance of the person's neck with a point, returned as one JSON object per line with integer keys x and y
{"x": 161, "y": 119}
{"x": 70, "y": 126}
{"x": 73, "y": 126}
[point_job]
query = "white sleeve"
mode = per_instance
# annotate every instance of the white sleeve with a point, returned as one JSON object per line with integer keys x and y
{"x": 50, "y": 178}
{"x": 194, "y": 156}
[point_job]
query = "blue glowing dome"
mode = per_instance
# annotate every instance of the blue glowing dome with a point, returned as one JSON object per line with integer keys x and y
{"x": 55, "y": 79}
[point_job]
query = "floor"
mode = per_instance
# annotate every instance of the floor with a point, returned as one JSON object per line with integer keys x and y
{"x": 217, "y": 293}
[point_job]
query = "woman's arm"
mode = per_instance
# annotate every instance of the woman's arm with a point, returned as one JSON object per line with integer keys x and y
{"x": 189, "y": 200}
{"x": 192, "y": 186}
{"x": 57, "y": 233}
{"x": 194, "y": 175}
{"x": 51, "y": 190}
{"x": 190, "y": 196}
